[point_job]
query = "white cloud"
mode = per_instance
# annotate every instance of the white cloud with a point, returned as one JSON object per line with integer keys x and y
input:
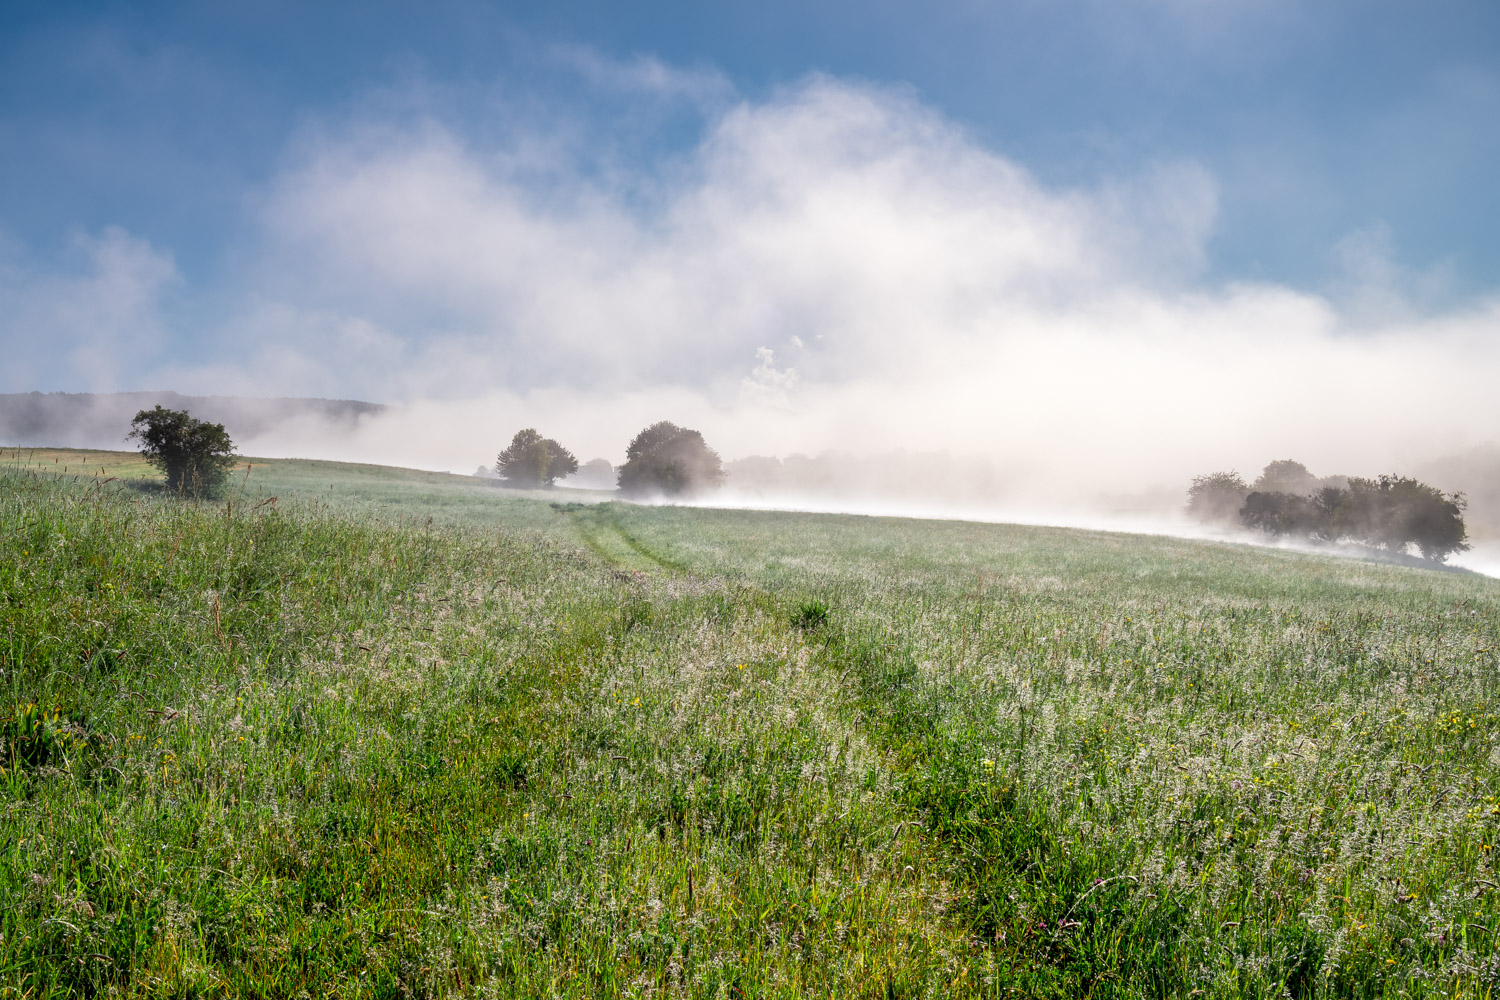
{"x": 767, "y": 385}
{"x": 936, "y": 293}
{"x": 646, "y": 75}
{"x": 86, "y": 321}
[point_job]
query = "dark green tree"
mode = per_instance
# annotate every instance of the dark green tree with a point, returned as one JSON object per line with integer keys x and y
{"x": 194, "y": 455}
{"x": 532, "y": 461}
{"x": 668, "y": 460}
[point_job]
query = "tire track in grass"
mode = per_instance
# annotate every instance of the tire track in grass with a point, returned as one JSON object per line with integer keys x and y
{"x": 714, "y": 820}
{"x": 601, "y": 530}
{"x": 1041, "y": 919}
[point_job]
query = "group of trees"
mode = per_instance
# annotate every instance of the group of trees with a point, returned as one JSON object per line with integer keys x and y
{"x": 1395, "y": 513}
{"x": 663, "y": 459}
{"x": 196, "y": 456}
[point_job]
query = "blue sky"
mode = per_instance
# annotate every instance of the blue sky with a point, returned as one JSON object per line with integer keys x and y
{"x": 1319, "y": 120}
{"x": 801, "y": 207}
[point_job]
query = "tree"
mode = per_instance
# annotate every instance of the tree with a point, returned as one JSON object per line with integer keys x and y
{"x": 595, "y": 474}
{"x": 1216, "y": 497}
{"x": 532, "y": 461}
{"x": 562, "y": 465}
{"x": 1328, "y": 503}
{"x": 1396, "y": 512}
{"x": 1279, "y": 514}
{"x": 1285, "y": 476}
{"x": 669, "y": 460}
{"x": 194, "y": 455}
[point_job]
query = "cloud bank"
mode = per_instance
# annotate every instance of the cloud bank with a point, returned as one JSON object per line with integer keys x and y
{"x": 836, "y": 266}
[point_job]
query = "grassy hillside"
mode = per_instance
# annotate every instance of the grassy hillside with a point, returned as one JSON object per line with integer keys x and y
{"x": 398, "y": 734}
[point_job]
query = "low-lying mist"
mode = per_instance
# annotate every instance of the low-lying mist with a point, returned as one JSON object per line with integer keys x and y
{"x": 933, "y": 483}
{"x": 1139, "y": 491}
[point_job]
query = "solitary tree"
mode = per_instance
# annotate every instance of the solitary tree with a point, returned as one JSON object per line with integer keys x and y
{"x": 532, "y": 461}
{"x": 669, "y": 460}
{"x": 194, "y": 455}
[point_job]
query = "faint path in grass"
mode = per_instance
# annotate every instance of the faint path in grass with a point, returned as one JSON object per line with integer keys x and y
{"x": 600, "y": 527}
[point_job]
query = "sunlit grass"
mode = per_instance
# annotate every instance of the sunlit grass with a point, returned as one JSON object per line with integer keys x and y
{"x": 393, "y": 736}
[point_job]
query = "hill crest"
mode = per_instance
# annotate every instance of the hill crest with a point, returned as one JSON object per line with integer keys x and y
{"x": 101, "y": 420}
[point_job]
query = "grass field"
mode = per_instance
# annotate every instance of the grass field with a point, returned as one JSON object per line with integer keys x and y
{"x": 398, "y": 734}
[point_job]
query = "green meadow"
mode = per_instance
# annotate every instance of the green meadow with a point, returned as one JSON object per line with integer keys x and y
{"x": 367, "y": 732}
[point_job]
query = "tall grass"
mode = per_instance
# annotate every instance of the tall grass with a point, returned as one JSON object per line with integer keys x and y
{"x": 402, "y": 744}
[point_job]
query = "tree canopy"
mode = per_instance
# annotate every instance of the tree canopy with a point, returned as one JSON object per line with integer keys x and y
{"x": 671, "y": 461}
{"x": 532, "y": 461}
{"x": 1216, "y": 497}
{"x": 1396, "y": 511}
{"x": 194, "y": 455}
{"x": 1285, "y": 476}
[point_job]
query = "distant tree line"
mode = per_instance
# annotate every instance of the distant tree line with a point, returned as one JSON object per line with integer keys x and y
{"x": 1394, "y": 513}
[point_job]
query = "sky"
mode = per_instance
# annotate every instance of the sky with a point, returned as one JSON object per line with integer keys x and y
{"x": 1134, "y": 237}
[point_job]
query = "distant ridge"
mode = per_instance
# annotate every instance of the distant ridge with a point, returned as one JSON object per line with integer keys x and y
{"x": 101, "y": 420}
